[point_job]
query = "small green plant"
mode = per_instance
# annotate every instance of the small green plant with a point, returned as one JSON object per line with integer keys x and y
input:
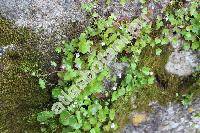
{"x": 197, "y": 115}
{"x": 187, "y": 100}
{"x": 42, "y": 83}
{"x": 87, "y": 6}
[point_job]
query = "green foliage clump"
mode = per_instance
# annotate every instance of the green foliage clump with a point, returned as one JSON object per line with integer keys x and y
{"x": 88, "y": 103}
{"x": 84, "y": 103}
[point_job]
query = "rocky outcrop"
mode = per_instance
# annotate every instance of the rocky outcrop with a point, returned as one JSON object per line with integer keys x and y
{"x": 23, "y": 51}
{"x": 183, "y": 63}
{"x": 172, "y": 118}
{"x": 46, "y": 15}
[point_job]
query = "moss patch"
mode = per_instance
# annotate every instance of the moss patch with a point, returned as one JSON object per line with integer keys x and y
{"x": 10, "y": 35}
{"x": 163, "y": 90}
{"x": 20, "y": 96}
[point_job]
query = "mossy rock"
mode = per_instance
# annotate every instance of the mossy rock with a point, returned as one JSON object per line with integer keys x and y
{"x": 10, "y": 35}
{"x": 20, "y": 95}
{"x": 164, "y": 89}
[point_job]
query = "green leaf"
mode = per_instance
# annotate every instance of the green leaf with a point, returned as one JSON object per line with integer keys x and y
{"x": 83, "y": 111}
{"x": 144, "y": 10}
{"x": 58, "y": 49}
{"x": 42, "y": 83}
{"x": 195, "y": 45}
{"x": 112, "y": 114}
{"x": 106, "y": 128}
{"x": 91, "y": 58}
{"x": 84, "y": 46}
{"x": 133, "y": 66}
{"x": 44, "y": 116}
{"x": 53, "y": 63}
{"x": 119, "y": 44}
{"x": 95, "y": 130}
{"x": 114, "y": 96}
{"x": 33, "y": 73}
{"x": 87, "y": 6}
{"x": 158, "y": 51}
{"x": 122, "y": 2}
{"x": 157, "y": 40}
{"x": 165, "y": 32}
{"x": 93, "y": 109}
{"x": 76, "y": 126}
{"x": 121, "y": 91}
{"x": 101, "y": 24}
{"x": 95, "y": 15}
{"x": 86, "y": 126}
{"x": 151, "y": 80}
{"x": 66, "y": 119}
{"x": 146, "y": 70}
{"x": 188, "y": 36}
{"x": 93, "y": 120}
{"x": 90, "y": 31}
{"x": 56, "y": 92}
{"x": 174, "y": 40}
{"x": 79, "y": 117}
{"x": 159, "y": 24}
{"x": 69, "y": 47}
{"x": 78, "y": 62}
{"x": 70, "y": 75}
{"x": 186, "y": 46}
{"x": 165, "y": 41}
{"x": 87, "y": 101}
{"x": 129, "y": 78}
{"x": 143, "y": 1}
{"x": 101, "y": 116}
{"x": 172, "y": 20}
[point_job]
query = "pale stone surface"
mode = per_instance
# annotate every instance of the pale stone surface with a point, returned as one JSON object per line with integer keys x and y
{"x": 182, "y": 63}
{"x": 174, "y": 118}
{"x": 47, "y": 15}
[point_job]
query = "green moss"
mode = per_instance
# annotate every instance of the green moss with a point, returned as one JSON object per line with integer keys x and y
{"x": 10, "y": 35}
{"x": 123, "y": 108}
{"x": 167, "y": 85}
{"x": 163, "y": 90}
{"x": 20, "y": 96}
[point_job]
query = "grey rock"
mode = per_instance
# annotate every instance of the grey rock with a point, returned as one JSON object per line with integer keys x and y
{"x": 118, "y": 68}
{"x": 58, "y": 19}
{"x": 173, "y": 118}
{"x": 1, "y": 52}
{"x": 182, "y": 63}
{"x": 52, "y": 15}
{"x": 129, "y": 129}
{"x": 48, "y": 15}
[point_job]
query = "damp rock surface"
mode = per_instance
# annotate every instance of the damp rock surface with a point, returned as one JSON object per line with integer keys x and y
{"x": 50, "y": 16}
{"x": 182, "y": 63}
{"x": 47, "y": 15}
{"x": 172, "y": 118}
{"x": 58, "y": 19}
